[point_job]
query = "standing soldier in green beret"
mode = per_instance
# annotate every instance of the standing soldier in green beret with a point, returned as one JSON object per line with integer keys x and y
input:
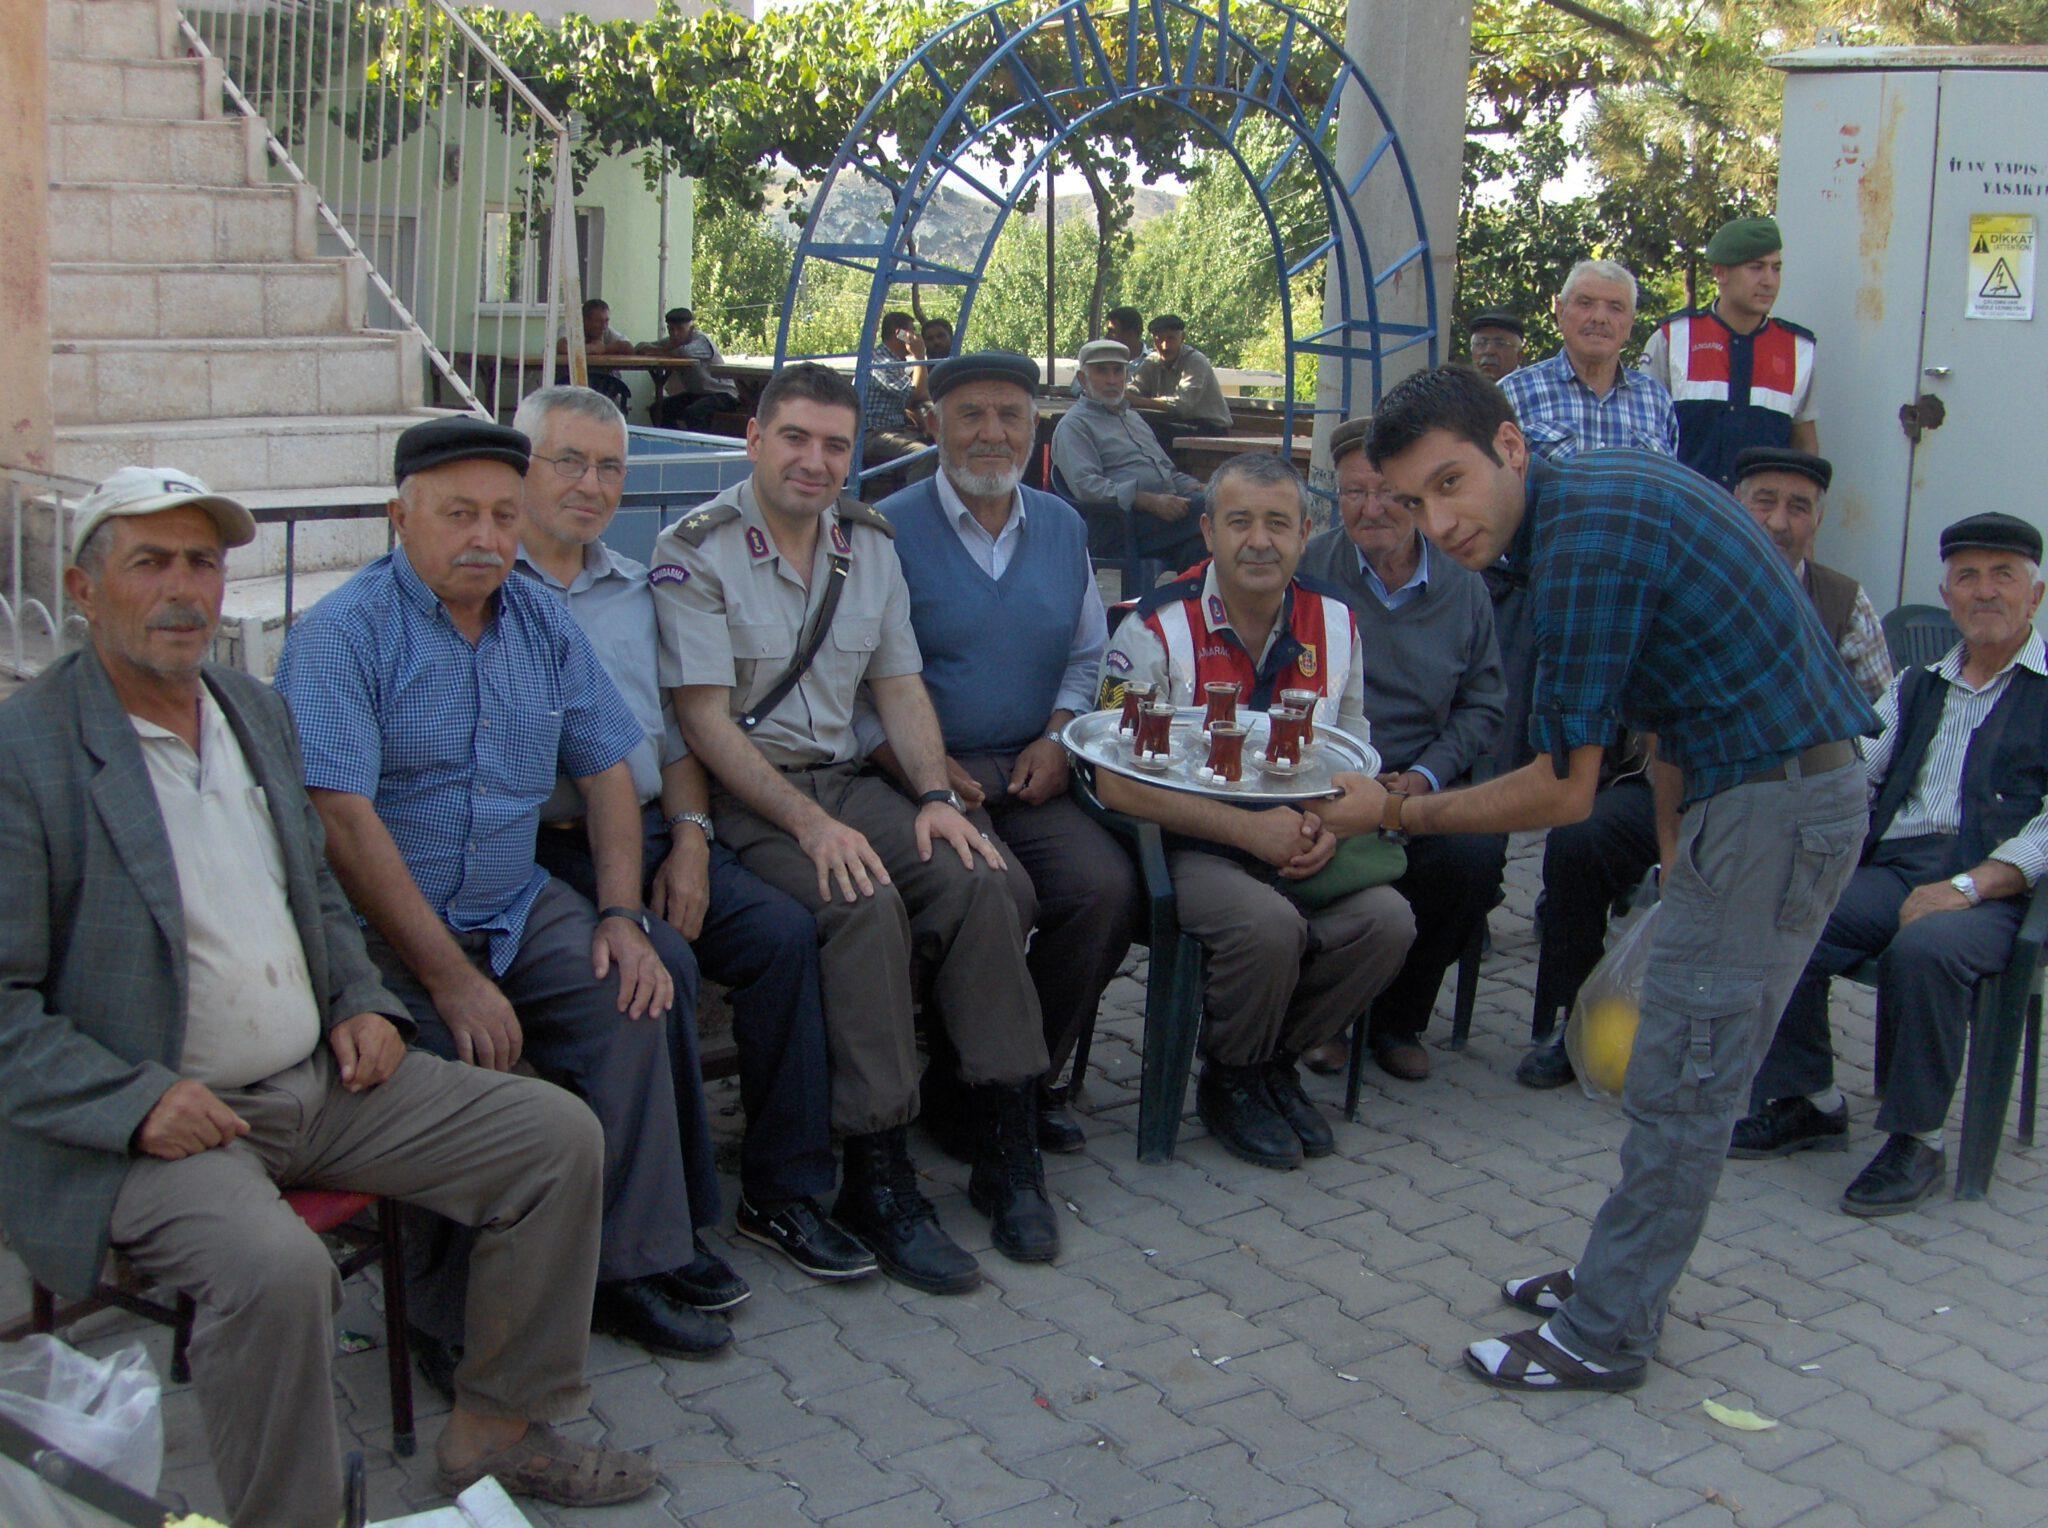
{"x": 1738, "y": 376}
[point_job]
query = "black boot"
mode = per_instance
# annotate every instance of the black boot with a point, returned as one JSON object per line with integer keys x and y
{"x": 1233, "y": 1102}
{"x": 945, "y": 1107}
{"x": 1008, "y": 1183}
{"x": 1057, "y": 1130}
{"x": 881, "y": 1204}
{"x": 1283, "y": 1086}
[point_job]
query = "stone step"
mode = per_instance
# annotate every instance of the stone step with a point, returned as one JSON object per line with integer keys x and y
{"x": 126, "y": 381}
{"x": 209, "y": 300}
{"x": 150, "y": 224}
{"x": 122, "y": 29}
{"x": 252, "y": 619}
{"x": 245, "y": 455}
{"x": 166, "y": 90}
{"x": 227, "y": 151}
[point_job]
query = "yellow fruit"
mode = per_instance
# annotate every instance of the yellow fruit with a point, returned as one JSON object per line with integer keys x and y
{"x": 1606, "y": 1037}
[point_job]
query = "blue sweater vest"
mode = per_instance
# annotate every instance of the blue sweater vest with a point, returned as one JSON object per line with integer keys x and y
{"x": 994, "y": 649}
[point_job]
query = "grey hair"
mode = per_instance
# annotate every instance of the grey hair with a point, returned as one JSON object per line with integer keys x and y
{"x": 1603, "y": 270}
{"x": 1260, "y": 469}
{"x": 537, "y": 407}
{"x": 91, "y": 556}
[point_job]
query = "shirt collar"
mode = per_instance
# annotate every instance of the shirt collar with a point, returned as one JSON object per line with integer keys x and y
{"x": 2032, "y": 656}
{"x": 212, "y": 722}
{"x": 957, "y": 511}
{"x": 1419, "y": 579}
{"x": 1216, "y": 616}
{"x": 599, "y": 563}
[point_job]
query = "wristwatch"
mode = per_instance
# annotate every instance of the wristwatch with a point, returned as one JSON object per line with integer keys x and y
{"x": 1967, "y": 885}
{"x": 634, "y": 915}
{"x": 946, "y": 796}
{"x": 702, "y": 822}
{"x": 1390, "y": 817}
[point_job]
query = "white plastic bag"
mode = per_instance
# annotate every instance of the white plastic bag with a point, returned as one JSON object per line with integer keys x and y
{"x": 1602, "y": 1029}
{"x": 104, "y": 1412}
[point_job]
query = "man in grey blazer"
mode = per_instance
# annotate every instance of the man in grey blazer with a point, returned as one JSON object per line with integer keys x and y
{"x": 188, "y": 1024}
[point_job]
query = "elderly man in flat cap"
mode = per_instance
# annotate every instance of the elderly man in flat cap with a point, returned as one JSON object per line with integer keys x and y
{"x": 1958, "y": 840}
{"x": 192, "y": 1026}
{"x": 437, "y": 701}
{"x": 1006, "y": 613}
{"x": 1495, "y": 343}
{"x": 1104, "y": 456}
{"x": 1737, "y": 375}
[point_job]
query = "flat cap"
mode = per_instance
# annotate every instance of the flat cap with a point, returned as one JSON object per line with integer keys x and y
{"x": 984, "y": 366}
{"x": 1740, "y": 240}
{"x": 151, "y": 490}
{"x": 458, "y": 438}
{"x": 1753, "y": 459}
{"x": 1994, "y": 533}
{"x": 1103, "y": 350}
{"x": 1348, "y": 437}
{"x": 1496, "y": 318}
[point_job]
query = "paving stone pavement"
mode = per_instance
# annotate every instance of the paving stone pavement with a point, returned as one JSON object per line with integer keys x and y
{"x": 1221, "y": 1344}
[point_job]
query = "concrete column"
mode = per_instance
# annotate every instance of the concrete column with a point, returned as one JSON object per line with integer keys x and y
{"x": 26, "y": 438}
{"x": 1418, "y": 57}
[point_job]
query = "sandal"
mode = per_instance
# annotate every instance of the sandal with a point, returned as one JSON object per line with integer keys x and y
{"x": 546, "y": 1465}
{"x": 1544, "y": 1295}
{"x": 1532, "y": 1361}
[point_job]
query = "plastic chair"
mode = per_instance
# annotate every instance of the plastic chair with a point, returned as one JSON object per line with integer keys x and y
{"x": 1920, "y": 634}
{"x": 326, "y": 1212}
{"x": 1117, "y": 527}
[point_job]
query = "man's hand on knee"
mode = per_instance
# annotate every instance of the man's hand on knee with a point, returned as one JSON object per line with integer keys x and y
{"x": 844, "y": 856}
{"x": 187, "y": 1120}
{"x": 369, "y": 1048}
{"x": 481, "y": 1019}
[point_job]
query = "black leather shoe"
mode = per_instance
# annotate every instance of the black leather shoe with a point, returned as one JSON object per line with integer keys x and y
{"x": 1283, "y": 1086}
{"x": 707, "y": 1282}
{"x": 800, "y": 1231}
{"x": 1008, "y": 1182}
{"x": 1057, "y": 1130}
{"x": 1233, "y": 1102}
{"x": 882, "y": 1206}
{"x": 1547, "y": 1066}
{"x": 438, "y": 1360}
{"x": 649, "y": 1312}
{"x": 1905, "y": 1171}
{"x": 1786, "y": 1125}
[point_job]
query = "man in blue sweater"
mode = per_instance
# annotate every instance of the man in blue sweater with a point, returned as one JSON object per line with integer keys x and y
{"x": 1006, "y": 612}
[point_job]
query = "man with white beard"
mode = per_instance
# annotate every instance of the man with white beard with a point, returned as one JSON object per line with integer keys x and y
{"x": 984, "y": 555}
{"x": 1104, "y": 453}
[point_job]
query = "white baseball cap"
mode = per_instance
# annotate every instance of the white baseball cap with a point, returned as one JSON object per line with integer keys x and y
{"x": 149, "y": 490}
{"x": 1102, "y": 350}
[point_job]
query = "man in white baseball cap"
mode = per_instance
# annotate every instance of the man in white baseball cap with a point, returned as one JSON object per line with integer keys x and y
{"x": 149, "y": 490}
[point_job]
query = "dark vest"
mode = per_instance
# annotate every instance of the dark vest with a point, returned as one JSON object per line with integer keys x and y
{"x": 1834, "y": 596}
{"x": 2005, "y": 768}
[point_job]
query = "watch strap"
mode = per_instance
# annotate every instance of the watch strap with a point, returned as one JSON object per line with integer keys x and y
{"x": 947, "y": 796}
{"x": 1390, "y": 814}
{"x": 637, "y": 916}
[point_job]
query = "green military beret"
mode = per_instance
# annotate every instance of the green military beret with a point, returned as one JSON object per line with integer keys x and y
{"x": 1740, "y": 240}
{"x": 1348, "y": 437}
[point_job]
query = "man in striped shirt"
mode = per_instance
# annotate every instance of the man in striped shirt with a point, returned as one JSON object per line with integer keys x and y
{"x": 1958, "y": 839}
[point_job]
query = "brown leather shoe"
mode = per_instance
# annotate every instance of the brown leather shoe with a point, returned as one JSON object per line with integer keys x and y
{"x": 1328, "y": 1059}
{"x": 1405, "y": 1059}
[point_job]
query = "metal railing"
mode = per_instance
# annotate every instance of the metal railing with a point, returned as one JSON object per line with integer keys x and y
{"x": 33, "y": 621}
{"x": 429, "y": 159}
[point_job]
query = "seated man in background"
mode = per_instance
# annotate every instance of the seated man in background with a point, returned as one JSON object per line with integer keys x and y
{"x": 1127, "y": 327}
{"x": 158, "y": 859}
{"x": 895, "y": 406}
{"x": 1282, "y": 977}
{"x": 743, "y": 933}
{"x": 1007, "y": 617}
{"x": 1958, "y": 841}
{"x": 689, "y": 395}
{"x": 1494, "y": 339}
{"x": 437, "y": 699}
{"x": 1103, "y": 453}
{"x": 600, "y": 339}
{"x": 1434, "y": 695}
{"x": 1178, "y": 380}
{"x": 937, "y": 334}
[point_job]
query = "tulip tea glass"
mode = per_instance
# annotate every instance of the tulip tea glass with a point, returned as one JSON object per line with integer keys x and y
{"x": 1154, "y": 744}
{"x": 1286, "y": 728}
{"x": 1222, "y": 698}
{"x": 1303, "y": 701}
{"x": 1135, "y": 696}
{"x": 1226, "y": 753}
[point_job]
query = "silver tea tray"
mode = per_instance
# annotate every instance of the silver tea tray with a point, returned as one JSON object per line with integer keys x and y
{"x": 1094, "y": 739}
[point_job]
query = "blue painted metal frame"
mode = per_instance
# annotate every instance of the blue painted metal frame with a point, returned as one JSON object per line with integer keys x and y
{"x": 1092, "y": 88}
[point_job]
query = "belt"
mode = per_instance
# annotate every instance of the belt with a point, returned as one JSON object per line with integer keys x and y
{"x": 1817, "y": 760}
{"x": 566, "y": 825}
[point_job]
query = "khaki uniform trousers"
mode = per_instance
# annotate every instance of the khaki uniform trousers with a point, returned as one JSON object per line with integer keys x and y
{"x": 961, "y": 923}
{"x": 517, "y": 1158}
{"x": 1282, "y": 978}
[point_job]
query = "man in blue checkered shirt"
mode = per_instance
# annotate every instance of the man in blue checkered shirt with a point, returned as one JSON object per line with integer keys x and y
{"x": 436, "y": 701}
{"x": 1655, "y": 603}
{"x": 1583, "y": 398}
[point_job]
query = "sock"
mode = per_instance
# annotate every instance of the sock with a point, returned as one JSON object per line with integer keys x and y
{"x": 1931, "y": 1139}
{"x": 1829, "y": 1100}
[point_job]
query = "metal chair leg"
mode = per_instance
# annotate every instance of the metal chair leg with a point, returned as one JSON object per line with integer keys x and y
{"x": 1354, "y": 1071}
{"x": 397, "y": 1349}
{"x": 1468, "y": 986}
{"x": 1079, "y": 1075}
{"x": 181, "y": 1340}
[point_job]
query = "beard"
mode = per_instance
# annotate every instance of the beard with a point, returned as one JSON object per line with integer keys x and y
{"x": 985, "y": 484}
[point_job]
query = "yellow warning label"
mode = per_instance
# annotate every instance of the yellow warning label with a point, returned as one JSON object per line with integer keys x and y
{"x": 2001, "y": 280}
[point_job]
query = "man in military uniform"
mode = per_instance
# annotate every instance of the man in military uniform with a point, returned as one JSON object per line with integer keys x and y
{"x": 778, "y": 601}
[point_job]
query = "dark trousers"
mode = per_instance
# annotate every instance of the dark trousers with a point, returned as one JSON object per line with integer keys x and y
{"x": 1585, "y": 867}
{"x": 1451, "y": 884}
{"x": 763, "y": 947}
{"x": 575, "y": 1037}
{"x": 1927, "y": 975}
{"x": 688, "y": 411}
{"x": 1176, "y": 543}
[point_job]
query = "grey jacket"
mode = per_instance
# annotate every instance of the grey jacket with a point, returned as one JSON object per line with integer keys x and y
{"x": 92, "y": 946}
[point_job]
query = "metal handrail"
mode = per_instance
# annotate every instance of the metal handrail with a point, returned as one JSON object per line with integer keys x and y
{"x": 33, "y": 500}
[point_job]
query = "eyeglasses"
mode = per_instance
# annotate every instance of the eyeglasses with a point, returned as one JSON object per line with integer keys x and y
{"x": 571, "y": 465}
{"x": 1362, "y": 495}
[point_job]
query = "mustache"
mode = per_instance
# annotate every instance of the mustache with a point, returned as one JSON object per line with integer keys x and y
{"x": 177, "y": 618}
{"x": 478, "y": 560}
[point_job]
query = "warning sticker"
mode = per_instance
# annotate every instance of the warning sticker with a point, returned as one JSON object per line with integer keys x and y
{"x": 2001, "y": 266}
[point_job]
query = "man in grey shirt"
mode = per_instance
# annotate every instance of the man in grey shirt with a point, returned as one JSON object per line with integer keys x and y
{"x": 1106, "y": 459}
{"x": 1178, "y": 379}
{"x": 689, "y": 395}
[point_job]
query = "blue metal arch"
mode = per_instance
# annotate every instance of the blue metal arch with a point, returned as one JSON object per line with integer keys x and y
{"x": 1243, "y": 76}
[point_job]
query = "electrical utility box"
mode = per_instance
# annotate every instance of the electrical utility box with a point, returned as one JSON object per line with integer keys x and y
{"x": 1913, "y": 195}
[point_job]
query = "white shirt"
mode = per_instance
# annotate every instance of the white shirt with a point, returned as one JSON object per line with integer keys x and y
{"x": 991, "y": 554}
{"x": 250, "y": 1009}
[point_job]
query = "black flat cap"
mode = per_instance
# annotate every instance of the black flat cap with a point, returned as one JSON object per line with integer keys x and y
{"x": 1752, "y": 459}
{"x": 1348, "y": 437}
{"x": 983, "y": 366}
{"x": 1496, "y": 318}
{"x": 458, "y": 438}
{"x": 1994, "y": 533}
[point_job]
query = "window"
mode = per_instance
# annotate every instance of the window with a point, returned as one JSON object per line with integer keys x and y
{"x": 517, "y": 255}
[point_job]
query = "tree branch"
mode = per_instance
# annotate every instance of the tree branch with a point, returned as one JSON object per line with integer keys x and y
{"x": 1613, "y": 26}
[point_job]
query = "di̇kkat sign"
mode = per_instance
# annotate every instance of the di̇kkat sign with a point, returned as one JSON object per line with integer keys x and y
{"x": 2001, "y": 280}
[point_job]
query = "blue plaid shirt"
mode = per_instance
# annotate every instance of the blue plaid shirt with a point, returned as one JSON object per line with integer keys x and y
{"x": 1562, "y": 416}
{"x": 890, "y": 390}
{"x": 456, "y": 745}
{"x": 1656, "y": 603}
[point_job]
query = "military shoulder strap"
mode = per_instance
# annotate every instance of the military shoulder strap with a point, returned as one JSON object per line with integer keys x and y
{"x": 853, "y": 512}
{"x": 701, "y": 522}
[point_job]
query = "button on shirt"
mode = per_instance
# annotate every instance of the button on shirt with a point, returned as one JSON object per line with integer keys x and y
{"x": 732, "y": 613}
{"x": 1562, "y": 416}
{"x": 250, "y": 1011}
{"x": 456, "y": 744}
{"x": 1935, "y": 804}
